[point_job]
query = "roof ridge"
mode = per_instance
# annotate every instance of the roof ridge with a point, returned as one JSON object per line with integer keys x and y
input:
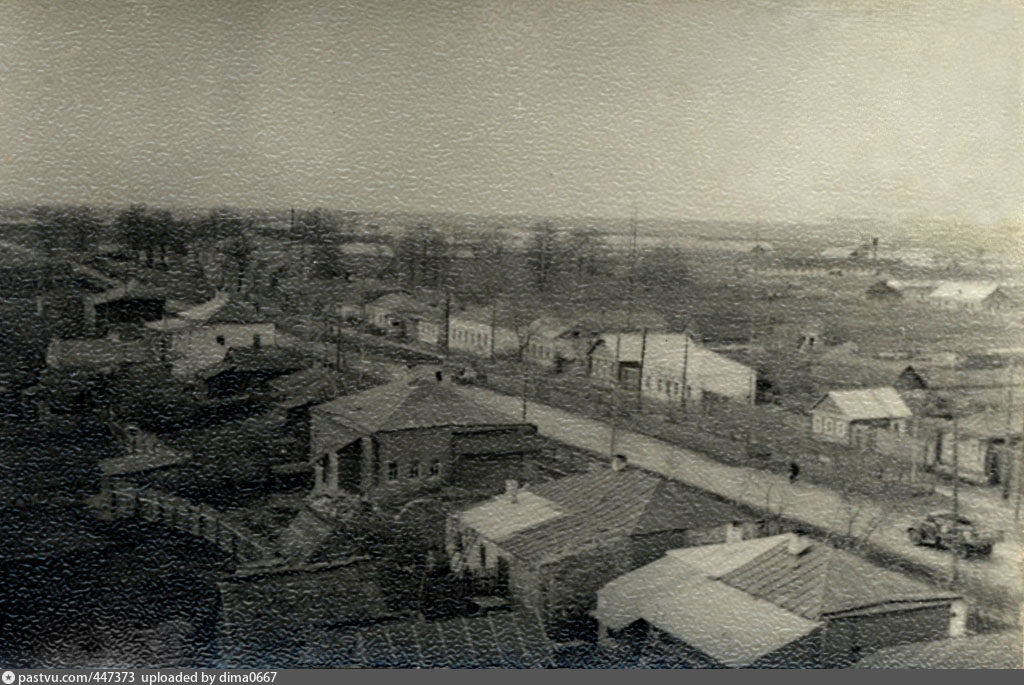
{"x": 825, "y": 574}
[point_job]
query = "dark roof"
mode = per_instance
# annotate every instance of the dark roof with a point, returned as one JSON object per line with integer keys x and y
{"x": 609, "y": 504}
{"x": 237, "y": 312}
{"x": 94, "y": 352}
{"x": 496, "y": 640}
{"x": 991, "y": 650}
{"x": 410, "y": 403}
{"x": 822, "y": 580}
{"x": 396, "y": 301}
{"x": 308, "y": 386}
{"x": 282, "y": 359}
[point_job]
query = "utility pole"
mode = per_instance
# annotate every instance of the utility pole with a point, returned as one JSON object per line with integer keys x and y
{"x": 643, "y": 360}
{"x": 748, "y": 434}
{"x": 1019, "y": 460}
{"x": 956, "y": 487}
{"x": 525, "y": 403}
{"x": 615, "y": 396}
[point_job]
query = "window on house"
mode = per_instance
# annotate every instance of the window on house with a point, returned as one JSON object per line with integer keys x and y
{"x": 414, "y": 470}
{"x": 392, "y": 470}
{"x": 828, "y": 425}
{"x": 435, "y": 468}
{"x": 659, "y": 385}
{"x": 483, "y": 556}
{"x": 220, "y": 340}
{"x": 675, "y": 388}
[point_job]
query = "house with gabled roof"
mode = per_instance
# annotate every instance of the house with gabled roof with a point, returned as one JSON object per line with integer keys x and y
{"x": 671, "y": 368}
{"x": 550, "y": 546}
{"x": 848, "y": 416}
{"x": 410, "y": 434}
{"x": 969, "y": 296}
{"x": 784, "y": 601}
{"x": 200, "y": 337}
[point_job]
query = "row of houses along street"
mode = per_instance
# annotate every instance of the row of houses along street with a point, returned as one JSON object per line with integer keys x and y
{"x": 375, "y": 473}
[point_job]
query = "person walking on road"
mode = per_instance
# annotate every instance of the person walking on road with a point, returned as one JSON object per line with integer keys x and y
{"x": 794, "y": 472}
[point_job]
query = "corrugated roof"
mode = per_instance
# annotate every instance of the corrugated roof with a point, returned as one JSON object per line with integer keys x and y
{"x": 727, "y": 624}
{"x": 410, "y": 403}
{"x": 610, "y": 504}
{"x": 822, "y": 580}
{"x": 313, "y": 385}
{"x": 964, "y": 291}
{"x": 870, "y": 403}
{"x": 739, "y": 601}
{"x": 497, "y": 640}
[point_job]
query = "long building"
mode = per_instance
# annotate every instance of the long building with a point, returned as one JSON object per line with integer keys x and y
{"x": 671, "y": 368}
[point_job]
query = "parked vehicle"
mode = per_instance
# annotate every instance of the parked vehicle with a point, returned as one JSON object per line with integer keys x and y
{"x": 959, "y": 534}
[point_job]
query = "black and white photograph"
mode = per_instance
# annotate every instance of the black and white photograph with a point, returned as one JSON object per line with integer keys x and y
{"x": 510, "y": 334}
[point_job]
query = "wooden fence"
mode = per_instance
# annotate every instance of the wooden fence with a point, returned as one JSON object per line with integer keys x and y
{"x": 178, "y": 513}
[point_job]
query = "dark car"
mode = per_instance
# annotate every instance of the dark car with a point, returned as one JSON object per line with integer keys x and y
{"x": 944, "y": 531}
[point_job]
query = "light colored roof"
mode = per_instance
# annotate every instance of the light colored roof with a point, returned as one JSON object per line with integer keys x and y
{"x": 547, "y": 327}
{"x": 739, "y": 601}
{"x": 870, "y": 403}
{"x": 838, "y": 252}
{"x": 964, "y": 291}
{"x": 191, "y": 317}
{"x": 499, "y": 518}
{"x": 725, "y": 623}
{"x": 395, "y": 301}
{"x": 717, "y": 560}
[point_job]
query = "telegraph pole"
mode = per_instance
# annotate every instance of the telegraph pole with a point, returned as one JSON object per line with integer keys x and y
{"x": 956, "y": 487}
{"x": 615, "y": 396}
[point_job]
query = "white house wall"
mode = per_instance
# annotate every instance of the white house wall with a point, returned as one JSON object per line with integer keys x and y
{"x": 677, "y": 368}
{"x": 205, "y": 346}
{"x": 474, "y": 337}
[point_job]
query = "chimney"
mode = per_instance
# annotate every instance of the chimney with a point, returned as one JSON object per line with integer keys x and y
{"x": 512, "y": 490}
{"x": 798, "y": 544}
{"x": 958, "y": 618}
{"x": 619, "y": 462}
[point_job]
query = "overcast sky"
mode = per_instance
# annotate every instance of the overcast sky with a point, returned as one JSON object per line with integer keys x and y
{"x": 716, "y": 109}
